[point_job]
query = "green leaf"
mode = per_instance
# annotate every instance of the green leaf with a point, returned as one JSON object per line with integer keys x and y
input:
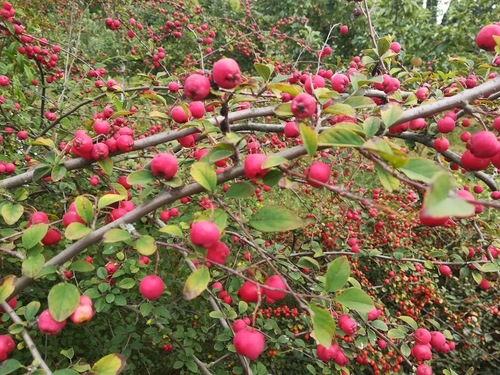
{"x": 75, "y": 231}
{"x": 41, "y": 170}
{"x": 32, "y": 265}
{"x": 31, "y": 310}
{"x": 308, "y": 262}
{"x": 273, "y": 161}
{"x": 421, "y": 169}
{"x": 340, "y": 109}
{"x": 7, "y": 287}
{"x": 58, "y": 172}
{"x": 126, "y": 283}
{"x": 81, "y": 266}
{"x": 196, "y": 283}
{"x": 218, "y": 152}
{"x": 112, "y": 364}
{"x": 355, "y": 299}
{"x": 34, "y": 234}
{"x": 173, "y": 230}
{"x": 323, "y": 325}
{"x": 278, "y": 88}
{"x": 340, "y": 137}
{"x": 284, "y": 110}
{"x": 380, "y": 325}
{"x": 383, "y": 46}
{"x": 204, "y": 174}
{"x": 337, "y": 274}
{"x": 145, "y": 245}
{"x": 84, "y": 208}
{"x": 359, "y": 102}
{"x": 309, "y": 138}
{"x": 108, "y": 199}
{"x": 63, "y": 300}
{"x": 11, "y": 212}
{"x": 275, "y": 219}
{"x": 106, "y": 165}
{"x": 409, "y": 320}
{"x": 388, "y": 181}
{"x": 9, "y": 366}
{"x": 396, "y": 333}
{"x": 438, "y": 203}
{"x": 264, "y": 70}
{"x": 391, "y": 113}
{"x": 116, "y": 235}
{"x": 140, "y": 177}
{"x": 240, "y": 190}
{"x": 371, "y": 126}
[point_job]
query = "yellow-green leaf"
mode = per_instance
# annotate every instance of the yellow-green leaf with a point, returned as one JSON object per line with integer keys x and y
{"x": 340, "y": 137}
{"x": 84, "y": 208}
{"x": 75, "y": 231}
{"x": 391, "y": 113}
{"x": 45, "y": 142}
{"x": 7, "y": 286}
{"x": 355, "y": 299}
{"x": 63, "y": 300}
{"x": 387, "y": 180}
{"x": 196, "y": 283}
{"x": 173, "y": 230}
{"x": 34, "y": 234}
{"x": 141, "y": 177}
{"x": 112, "y": 364}
{"x": 323, "y": 325}
{"x": 309, "y": 138}
{"x": 108, "y": 199}
{"x": 11, "y": 212}
{"x": 204, "y": 174}
{"x": 116, "y": 235}
{"x": 32, "y": 265}
{"x": 145, "y": 245}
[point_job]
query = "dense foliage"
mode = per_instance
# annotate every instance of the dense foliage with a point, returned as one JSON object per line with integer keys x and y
{"x": 259, "y": 187}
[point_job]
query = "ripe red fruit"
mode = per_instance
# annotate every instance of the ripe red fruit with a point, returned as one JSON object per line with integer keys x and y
{"x": 303, "y": 105}
{"x": 12, "y": 303}
{"x": 484, "y": 144}
{"x": 101, "y": 127}
{"x": 347, "y": 324}
{"x": 388, "y": 85}
{"x": 4, "y": 81}
{"x": 47, "y": 325}
{"x": 445, "y": 125}
{"x": 437, "y": 339}
{"x": 422, "y": 336}
{"x": 226, "y": 73}
{"x": 291, "y": 129}
{"x": 38, "y": 217}
{"x": 373, "y": 314}
{"x": 7, "y": 345}
{"x": 72, "y": 217}
{"x": 197, "y": 109}
{"x": 318, "y": 171}
{"x": 238, "y": 325}
{"x": 204, "y": 234}
{"x": 340, "y": 82}
{"x": 421, "y": 352}
{"x": 276, "y": 282}
{"x": 313, "y": 82}
{"x": 22, "y": 134}
{"x": 484, "y": 38}
{"x": 197, "y": 87}
{"x": 395, "y": 47}
{"x": 441, "y": 144}
{"x": 432, "y": 221}
{"x": 84, "y": 312}
{"x": 253, "y": 166}
{"x": 82, "y": 144}
{"x": 445, "y": 271}
{"x": 249, "y": 342}
{"x": 151, "y": 287}
{"x": 218, "y": 253}
{"x": 125, "y": 143}
{"x": 100, "y": 151}
{"x": 496, "y": 124}
{"x": 52, "y": 237}
{"x": 179, "y": 114}
{"x": 249, "y": 292}
{"x": 423, "y": 369}
{"x": 164, "y": 165}
{"x": 473, "y": 163}
{"x": 344, "y": 29}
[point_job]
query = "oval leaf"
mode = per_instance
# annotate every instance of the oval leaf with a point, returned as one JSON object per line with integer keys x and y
{"x": 32, "y": 265}
{"x": 240, "y": 190}
{"x": 145, "y": 245}
{"x": 340, "y": 137}
{"x": 11, "y": 212}
{"x": 7, "y": 286}
{"x": 34, "y": 234}
{"x": 391, "y": 113}
{"x": 75, "y": 231}
{"x": 204, "y": 174}
{"x": 276, "y": 219}
{"x": 108, "y": 199}
{"x": 309, "y": 138}
{"x": 141, "y": 177}
{"x": 173, "y": 230}
{"x": 355, "y": 299}
{"x": 196, "y": 283}
{"x": 116, "y": 235}
{"x": 337, "y": 274}
{"x": 84, "y": 208}
{"x": 112, "y": 364}
{"x": 63, "y": 300}
{"x": 323, "y": 325}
